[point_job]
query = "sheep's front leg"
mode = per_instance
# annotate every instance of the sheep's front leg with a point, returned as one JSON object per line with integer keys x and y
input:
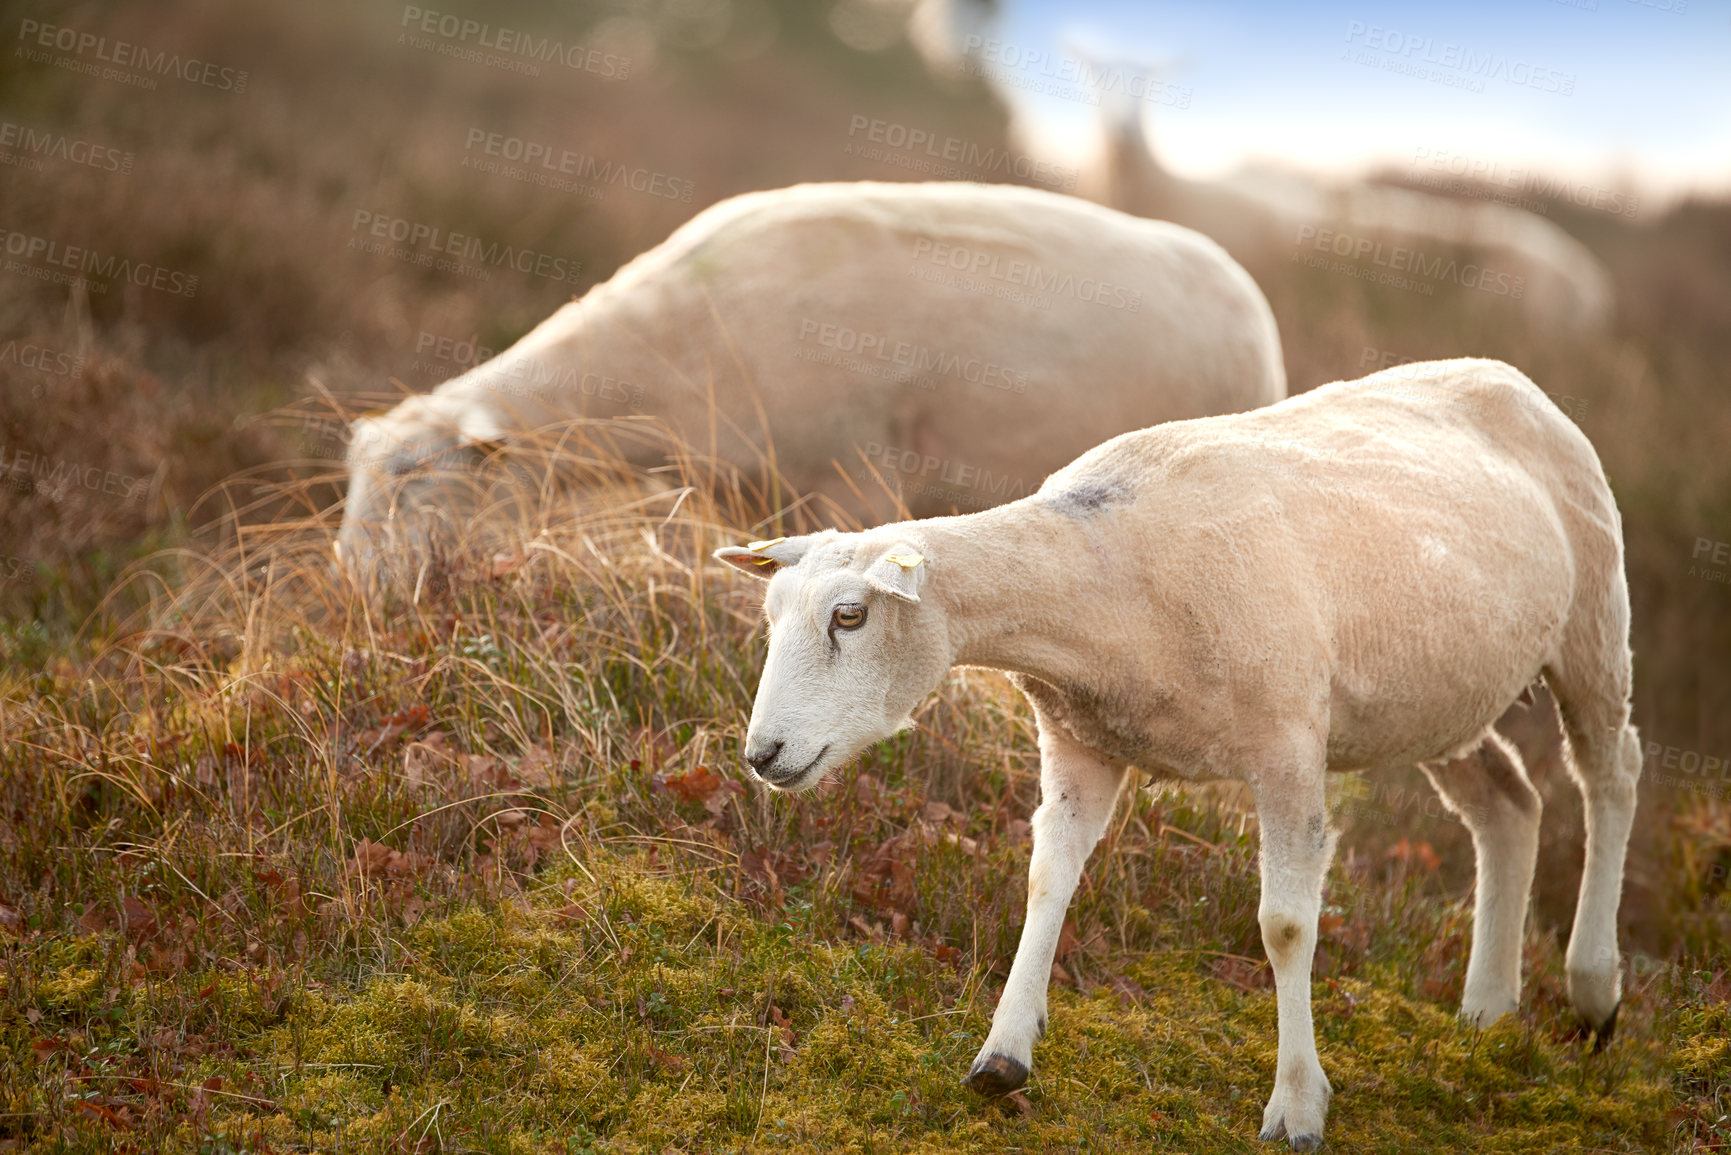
{"x": 1078, "y": 789}
{"x": 1296, "y": 847}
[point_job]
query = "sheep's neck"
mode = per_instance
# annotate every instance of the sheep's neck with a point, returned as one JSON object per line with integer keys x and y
{"x": 1016, "y": 587}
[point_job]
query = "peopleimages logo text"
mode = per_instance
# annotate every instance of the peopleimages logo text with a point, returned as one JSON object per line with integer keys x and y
{"x": 33, "y": 472}
{"x": 45, "y": 144}
{"x": 42, "y": 358}
{"x": 1035, "y": 278}
{"x": 542, "y": 161}
{"x": 865, "y": 347}
{"x": 509, "y": 42}
{"x": 89, "y": 45}
{"x": 1402, "y": 259}
{"x": 429, "y": 245}
{"x": 924, "y": 151}
{"x": 52, "y": 260}
{"x": 1417, "y": 51}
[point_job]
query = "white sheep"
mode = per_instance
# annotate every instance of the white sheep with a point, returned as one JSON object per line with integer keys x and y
{"x": 1363, "y": 576}
{"x": 963, "y": 339}
{"x": 1533, "y": 261}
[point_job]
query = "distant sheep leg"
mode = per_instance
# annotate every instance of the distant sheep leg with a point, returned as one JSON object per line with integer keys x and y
{"x": 1491, "y": 793}
{"x": 1296, "y": 848}
{"x": 1078, "y": 790}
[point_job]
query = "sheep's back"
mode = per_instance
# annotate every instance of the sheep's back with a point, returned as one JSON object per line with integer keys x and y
{"x": 1009, "y": 329}
{"x": 1424, "y": 533}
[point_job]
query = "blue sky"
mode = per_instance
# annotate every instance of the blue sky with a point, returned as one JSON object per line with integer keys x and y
{"x": 1648, "y": 100}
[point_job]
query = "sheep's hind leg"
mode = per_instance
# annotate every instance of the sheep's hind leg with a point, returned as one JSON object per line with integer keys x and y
{"x": 1491, "y": 793}
{"x": 1296, "y": 848}
{"x": 1078, "y": 789}
{"x": 1605, "y": 757}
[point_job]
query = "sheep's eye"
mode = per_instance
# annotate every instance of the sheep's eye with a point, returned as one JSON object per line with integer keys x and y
{"x": 848, "y": 617}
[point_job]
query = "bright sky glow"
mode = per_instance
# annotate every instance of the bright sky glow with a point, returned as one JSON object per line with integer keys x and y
{"x": 1622, "y": 93}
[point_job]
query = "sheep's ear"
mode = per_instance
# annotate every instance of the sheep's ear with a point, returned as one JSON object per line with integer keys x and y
{"x": 898, "y": 573}
{"x": 763, "y": 558}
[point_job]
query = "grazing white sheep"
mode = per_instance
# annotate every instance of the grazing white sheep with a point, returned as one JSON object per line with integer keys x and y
{"x": 964, "y": 340}
{"x": 1363, "y": 576}
{"x": 1554, "y": 278}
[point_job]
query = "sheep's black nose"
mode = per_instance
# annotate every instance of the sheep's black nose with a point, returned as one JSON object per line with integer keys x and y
{"x": 763, "y": 757}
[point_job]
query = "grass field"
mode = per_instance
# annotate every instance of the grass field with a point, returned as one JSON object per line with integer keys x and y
{"x": 481, "y": 873}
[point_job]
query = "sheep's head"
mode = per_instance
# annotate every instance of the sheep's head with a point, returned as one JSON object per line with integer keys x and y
{"x": 403, "y": 477}
{"x": 852, "y": 649}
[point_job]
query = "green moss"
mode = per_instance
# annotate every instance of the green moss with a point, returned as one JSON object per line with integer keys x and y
{"x": 71, "y": 988}
{"x": 1703, "y": 1050}
{"x": 526, "y": 1028}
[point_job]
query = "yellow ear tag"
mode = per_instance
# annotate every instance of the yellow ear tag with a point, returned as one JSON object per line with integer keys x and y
{"x": 906, "y": 560}
{"x": 757, "y": 545}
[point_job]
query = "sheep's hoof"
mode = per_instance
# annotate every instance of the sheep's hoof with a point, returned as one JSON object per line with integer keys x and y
{"x": 996, "y": 1075}
{"x": 1602, "y": 1033}
{"x": 1277, "y": 1130}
